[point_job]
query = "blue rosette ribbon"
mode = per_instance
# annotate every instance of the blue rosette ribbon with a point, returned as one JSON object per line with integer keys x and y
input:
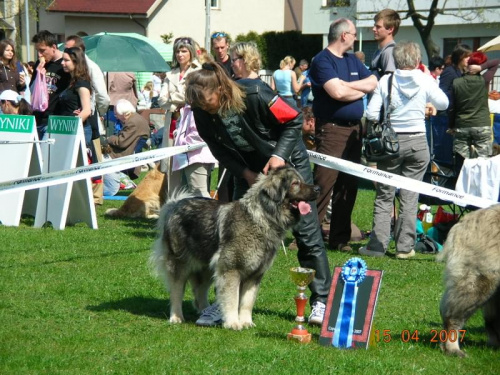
{"x": 353, "y": 273}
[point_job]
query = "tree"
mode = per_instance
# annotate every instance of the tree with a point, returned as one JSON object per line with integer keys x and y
{"x": 167, "y": 38}
{"x": 430, "y": 46}
{"x": 468, "y": 13}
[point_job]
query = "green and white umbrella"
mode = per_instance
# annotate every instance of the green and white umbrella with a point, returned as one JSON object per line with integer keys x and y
{"x": 120, "y": 53}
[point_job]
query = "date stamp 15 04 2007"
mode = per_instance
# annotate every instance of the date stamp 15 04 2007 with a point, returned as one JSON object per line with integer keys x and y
{"x": 414, "y": 336}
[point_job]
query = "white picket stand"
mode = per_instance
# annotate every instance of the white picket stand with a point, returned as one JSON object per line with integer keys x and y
{"x": 70, "y": 202}
{"x": 21, "y": 157}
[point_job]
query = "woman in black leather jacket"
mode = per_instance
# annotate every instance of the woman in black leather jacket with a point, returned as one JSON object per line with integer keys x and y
{"x": 251, "y": 130}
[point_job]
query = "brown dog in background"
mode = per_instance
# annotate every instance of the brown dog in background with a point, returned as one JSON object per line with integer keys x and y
{"x": 146, "y": 200}
{"x": 472, "y": 277}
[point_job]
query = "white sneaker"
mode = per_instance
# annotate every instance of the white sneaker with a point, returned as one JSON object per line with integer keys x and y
{"x": 317, "y": 313}
{"x": 401, "y": 255}
{"x": 211, "y": 316}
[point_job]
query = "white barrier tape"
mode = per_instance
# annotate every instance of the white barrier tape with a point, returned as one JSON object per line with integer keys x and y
{"x": 127, "y": 162}
{"x": 388, "y": 178}
{"x": 50, "y": 141}
{"x": 97, "y": 169}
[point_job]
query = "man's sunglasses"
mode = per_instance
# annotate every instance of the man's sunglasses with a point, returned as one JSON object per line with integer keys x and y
{"x": 217, "y": 35}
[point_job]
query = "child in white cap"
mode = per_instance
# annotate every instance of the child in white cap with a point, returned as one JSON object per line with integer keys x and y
{"x": 11, "y": 103}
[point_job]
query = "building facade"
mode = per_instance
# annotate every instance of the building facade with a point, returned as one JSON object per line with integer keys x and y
{"x": 473, "y": 22}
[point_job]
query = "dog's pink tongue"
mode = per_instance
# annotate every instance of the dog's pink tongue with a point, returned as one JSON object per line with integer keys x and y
{"x": 304, "y": 208}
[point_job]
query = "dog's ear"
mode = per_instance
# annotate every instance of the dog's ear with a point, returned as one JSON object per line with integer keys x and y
{"x": 275, "y": 185}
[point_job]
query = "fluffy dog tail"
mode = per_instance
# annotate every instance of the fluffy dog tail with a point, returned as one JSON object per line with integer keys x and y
{"x": 113, "y": 212}
{"x": 157, "y": 260}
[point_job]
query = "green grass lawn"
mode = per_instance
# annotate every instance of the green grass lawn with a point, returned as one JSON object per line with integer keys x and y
{"x": 83, "y": 301}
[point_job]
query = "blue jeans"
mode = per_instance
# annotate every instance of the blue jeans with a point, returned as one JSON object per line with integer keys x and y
{"x": 41, "y": 130}
{"x": 442, "y": 142}
{"x": 87, "y": 132}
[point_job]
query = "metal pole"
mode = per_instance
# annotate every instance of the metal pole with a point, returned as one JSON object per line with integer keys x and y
{"x": 27, "y": 22}
{"x": 208, "y": 5}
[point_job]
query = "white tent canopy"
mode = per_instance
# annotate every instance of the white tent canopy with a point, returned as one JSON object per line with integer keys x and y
{"x": 492, "y": 45}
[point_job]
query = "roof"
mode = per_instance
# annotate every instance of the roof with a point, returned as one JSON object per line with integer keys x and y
{"x": 142, "y": 7}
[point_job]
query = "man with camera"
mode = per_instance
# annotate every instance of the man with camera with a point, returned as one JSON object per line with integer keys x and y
{"x": 339, "y": 82}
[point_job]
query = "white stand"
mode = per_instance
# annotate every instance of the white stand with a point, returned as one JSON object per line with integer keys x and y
{"x": 69, "y": 202}
{"x": 21, "y": 157}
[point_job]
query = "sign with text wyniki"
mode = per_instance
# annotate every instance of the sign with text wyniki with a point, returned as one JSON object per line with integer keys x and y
{"x": 17, "y": 124}
{"x": 63, "y": 125}
{"x": 21, "y": 157}
{"x": 68, "y": 202}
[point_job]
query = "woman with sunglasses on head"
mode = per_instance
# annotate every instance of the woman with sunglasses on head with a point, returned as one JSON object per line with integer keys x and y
{"x": 246, "y": 134}
{"x": 10, "y": 77}
{"x": 193, "y": 167}
{"x": 75, "y": 99}
{"x": 11, "y": 103}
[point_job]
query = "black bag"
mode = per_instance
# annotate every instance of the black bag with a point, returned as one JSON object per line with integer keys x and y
{"x": 426, "y": 245}
{"x": 381, "y": 141}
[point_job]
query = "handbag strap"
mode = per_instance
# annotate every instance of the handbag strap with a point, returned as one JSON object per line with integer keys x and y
{"x": 388, "y": 111}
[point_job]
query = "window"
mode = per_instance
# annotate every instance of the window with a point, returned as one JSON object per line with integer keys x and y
{"x": 369, "y": 48}
{"x": 449, "y": 44}
{"x": 214, "y": 4}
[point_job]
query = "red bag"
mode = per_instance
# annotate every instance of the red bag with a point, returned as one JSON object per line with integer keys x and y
{"x": 282, "y": 110}
{"x": 40, "y": 93}
{"x": 444, "y": 217}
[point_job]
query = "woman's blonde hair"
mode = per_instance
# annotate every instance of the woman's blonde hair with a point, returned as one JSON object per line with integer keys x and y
{"x": 149, "y": 86}
{"x": 212, "y": 78}
{"x": 250, "y": 54}
{"x": 287, "y": 61}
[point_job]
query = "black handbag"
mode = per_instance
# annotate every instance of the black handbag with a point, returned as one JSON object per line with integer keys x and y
{"x": 381, "y": 141}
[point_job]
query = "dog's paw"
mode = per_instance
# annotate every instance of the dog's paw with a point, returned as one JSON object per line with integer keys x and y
{"x": 452, "y": 350}
{"x": 174, "y": 319}
{"x": 249, "y": 324}
{"x": 233, "y": 325}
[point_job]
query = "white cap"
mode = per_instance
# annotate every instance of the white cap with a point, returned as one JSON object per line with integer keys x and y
{"x": 10, "y": 95}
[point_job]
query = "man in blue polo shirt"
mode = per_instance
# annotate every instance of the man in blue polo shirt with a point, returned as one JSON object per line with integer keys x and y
{"x": 339, "y": 82}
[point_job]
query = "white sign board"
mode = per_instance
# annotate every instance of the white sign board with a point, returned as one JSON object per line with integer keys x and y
{"x": 69, "y": 202}
{"x": 21, "y": 157}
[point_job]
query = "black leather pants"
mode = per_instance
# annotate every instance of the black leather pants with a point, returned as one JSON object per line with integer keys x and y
{"x": 307, "y": 232}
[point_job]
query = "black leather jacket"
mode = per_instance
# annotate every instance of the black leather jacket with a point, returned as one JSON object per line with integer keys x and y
{"x": 258, "y": 126}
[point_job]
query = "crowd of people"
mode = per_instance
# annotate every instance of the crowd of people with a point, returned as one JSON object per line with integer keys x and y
{"x": 324, "y": 106}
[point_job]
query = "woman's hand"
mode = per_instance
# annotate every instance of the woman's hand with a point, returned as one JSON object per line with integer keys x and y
{"x": 273, "y": 163}
{"x": 474, "y": 69}
{"x": 430, "y": 110}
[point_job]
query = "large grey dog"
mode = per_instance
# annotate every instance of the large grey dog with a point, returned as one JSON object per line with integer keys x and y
{"x": 472, "y": 277}
{"x": 234, "y": 243}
